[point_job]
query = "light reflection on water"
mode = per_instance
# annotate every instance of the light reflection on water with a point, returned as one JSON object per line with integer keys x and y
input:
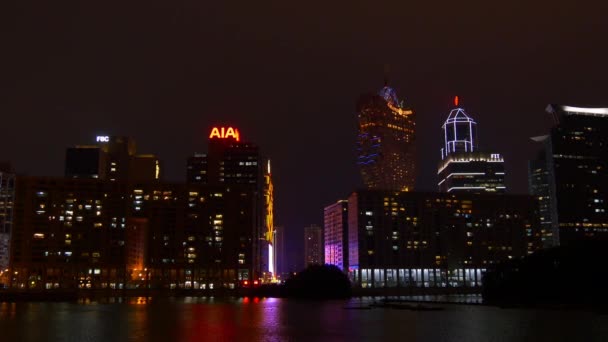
{"x": 270, "y": 319}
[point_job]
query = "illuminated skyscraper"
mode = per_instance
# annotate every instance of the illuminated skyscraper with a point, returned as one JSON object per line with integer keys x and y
{"x": 574, "y": 175}
{"x": 232, "y": 161}
{"x": 386, "y": 141}
{"x": 463, "y": 167}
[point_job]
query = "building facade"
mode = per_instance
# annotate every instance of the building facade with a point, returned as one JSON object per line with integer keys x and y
{"x": 472, "y": 172}
{"x": 68, "y": 233}
{"x": 463, "y": 167}
{"x": 574, "y": 156}
{"x": 198, "y": 236}
{"x": 386, "y": 141}
{"x": 335, "y": 231}
{"x": 401, "y": 239}
{"x": 313, "y": 245}
{"x": 87, "y": 233}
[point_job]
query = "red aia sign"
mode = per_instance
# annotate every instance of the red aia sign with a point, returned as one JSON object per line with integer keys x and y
{"x": 225, "y": 133}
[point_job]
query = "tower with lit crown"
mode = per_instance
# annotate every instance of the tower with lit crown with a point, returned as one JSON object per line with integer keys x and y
{"x": 459, "y": 132}
{"x": 463, "y": 167}
{"x": 386, "y": 141}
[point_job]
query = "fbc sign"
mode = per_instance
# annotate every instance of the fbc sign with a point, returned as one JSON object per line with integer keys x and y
{"x": 225, "y": 133}
{"x": 102, "y": 138}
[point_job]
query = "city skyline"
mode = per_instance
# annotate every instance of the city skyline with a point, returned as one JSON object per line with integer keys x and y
{"x": 270, "y": 170}
{"x": 166, "y": 74}
{"x": 295, "y": 233}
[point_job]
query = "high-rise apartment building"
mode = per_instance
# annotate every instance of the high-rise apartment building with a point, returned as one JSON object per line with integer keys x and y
{"x": 7, "y": 199}
{"x": 574, "y": 169}
{"x": 335, "y": 231}
{"x": 91, "y": 233}
{"x": 463, "y": 167}
{"x": 197, "y": 234}
{"x": 386, "y": 141}
{"x": 111, "y": 158}
{"x": 69, "y": 233}
{"x": 313, "y": 245}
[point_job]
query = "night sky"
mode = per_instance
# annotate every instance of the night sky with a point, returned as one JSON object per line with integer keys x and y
{"x": 288, "y": 75}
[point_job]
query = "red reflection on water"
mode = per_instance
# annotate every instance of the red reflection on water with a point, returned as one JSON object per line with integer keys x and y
{"x": 210, "y": 322}
{"x": 231, "y": 320}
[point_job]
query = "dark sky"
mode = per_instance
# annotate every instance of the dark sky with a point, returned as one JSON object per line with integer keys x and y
{"x": 288, "y": 75}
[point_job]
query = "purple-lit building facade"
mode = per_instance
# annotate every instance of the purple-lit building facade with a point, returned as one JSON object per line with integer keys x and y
{"x": 335, "y": 230}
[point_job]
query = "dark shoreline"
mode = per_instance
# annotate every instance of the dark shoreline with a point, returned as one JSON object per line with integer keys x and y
{"x": 270, "y": 292}
{"x": 407, "y": 296}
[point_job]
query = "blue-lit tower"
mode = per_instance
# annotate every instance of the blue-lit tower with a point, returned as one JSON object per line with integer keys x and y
{"x": 463, "y": 167}
{"x": 459, "y": 132}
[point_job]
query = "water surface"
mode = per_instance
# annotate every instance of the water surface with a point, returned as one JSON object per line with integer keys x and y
{"x": 253, "y": 319}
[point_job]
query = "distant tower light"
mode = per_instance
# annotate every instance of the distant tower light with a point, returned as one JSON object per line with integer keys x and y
{"x": 456, "y": 101}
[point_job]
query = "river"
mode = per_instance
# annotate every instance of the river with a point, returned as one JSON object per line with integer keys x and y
{"x": 253, "y": 319}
